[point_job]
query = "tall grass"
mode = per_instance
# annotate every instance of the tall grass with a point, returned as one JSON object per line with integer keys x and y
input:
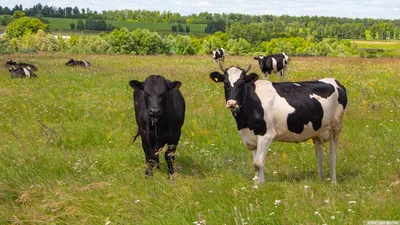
{"x": 67, "y": 157}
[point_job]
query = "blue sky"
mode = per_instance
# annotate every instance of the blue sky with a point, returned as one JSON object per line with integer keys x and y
{"x": 387, "y": 9}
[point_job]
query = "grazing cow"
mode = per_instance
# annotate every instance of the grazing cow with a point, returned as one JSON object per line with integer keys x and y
{"x": 25, "y": 65}
{"x": 160, "y": 112}
{"x": 287, "y": 112}
{"x": 82, "y": 63}
{"x": 273, "y": 63}
{"x": 21, "y": 72}
{"x": 219, "y": 55}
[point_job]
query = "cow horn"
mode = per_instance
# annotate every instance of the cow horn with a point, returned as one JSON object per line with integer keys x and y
{"x": 247, "y": 68}
{"x": 221, "y": 67}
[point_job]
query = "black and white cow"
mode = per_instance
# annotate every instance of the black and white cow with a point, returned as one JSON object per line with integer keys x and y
{"x": 219, "y": 55}
{"x": 13, "y": 64}
{"x": 73, "y": 62}
{"x": 273, "y": 63}
{"x": 287, "y": 112}
{"x": 160, "y": 113}
{"x": 21, "y": 72}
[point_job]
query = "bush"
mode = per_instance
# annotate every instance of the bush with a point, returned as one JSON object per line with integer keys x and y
{"x": 25, "y": 25}
{"x": 238, "y": 47}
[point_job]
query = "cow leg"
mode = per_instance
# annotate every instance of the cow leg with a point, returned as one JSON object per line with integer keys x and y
{"x": 320, "y": 155}
{"x": 284, "y": 72}
{"x": 170, "y": 158}
{"x": 334, "y": 143}
{"x": 255, "y": 178}
{"x": 152, "y": 160}
{"x": 263, "y": 144}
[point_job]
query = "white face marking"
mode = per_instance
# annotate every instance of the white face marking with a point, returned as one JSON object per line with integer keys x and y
{"x": 86, "y": 64}
{"x": 296, "y": 84}
{"x": 234, "y": 75}
{"x": 214, "y": 53}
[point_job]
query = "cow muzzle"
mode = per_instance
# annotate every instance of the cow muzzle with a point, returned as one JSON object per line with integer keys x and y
{"x": 232, "y": 104}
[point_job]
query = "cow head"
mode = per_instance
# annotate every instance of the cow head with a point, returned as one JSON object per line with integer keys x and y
{"x": 155, "y": 89}
{"x": 71, "y": 62}
{"x": 265, "y": 63}
{"x": 235, "y": 81}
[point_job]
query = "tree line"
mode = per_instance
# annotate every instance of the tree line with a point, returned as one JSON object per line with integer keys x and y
{"x": 259, "y": 27}
{"x": 29, "y": 34}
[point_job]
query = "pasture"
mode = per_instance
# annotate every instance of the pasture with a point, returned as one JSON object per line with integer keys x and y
{"x": 61, "y": 26}
{"x": 67, "y": 157}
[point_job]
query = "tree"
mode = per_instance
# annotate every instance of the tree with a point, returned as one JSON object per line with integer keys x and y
{"x": 18, "y": 14}
{"x": 80, "y": 25}
{"x": 72, "y": 26}
{"x": 180, "y": 28}
{"x": 174, "y": 28}
{"x": 187, "y": 29}
{"x": 25, "y": 25}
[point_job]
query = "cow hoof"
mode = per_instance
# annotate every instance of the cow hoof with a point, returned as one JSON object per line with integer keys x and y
{"x": 148, "y": 173}
{"x": 172, "y": 176}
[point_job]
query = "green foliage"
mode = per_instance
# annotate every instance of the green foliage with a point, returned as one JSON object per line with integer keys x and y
{"x": 238, "y": 47}
{"x": 5, "y": 46}
{"x": 90, "y": 44}
{"x": 46, "y": 42}
{"x": 25, "y": 25}
{"x": 80, "y": 25}
{"x": 72, "y": 26}
{"x": 174, "y": 28}
{"x": 18, "y": 14}
{"x": 121, "y": 41}
{"x": 6, "y": 19}
{"x": 146, "y": 42}
{"x": 184, "y": 45}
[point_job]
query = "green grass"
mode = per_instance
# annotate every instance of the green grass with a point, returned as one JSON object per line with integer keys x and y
{"x": 385, "y": 45}
{"x": 67, "y": 157}
{"x": 63, "y": 24}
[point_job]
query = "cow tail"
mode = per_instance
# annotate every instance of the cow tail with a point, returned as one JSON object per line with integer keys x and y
{"x": 136, "y": 135}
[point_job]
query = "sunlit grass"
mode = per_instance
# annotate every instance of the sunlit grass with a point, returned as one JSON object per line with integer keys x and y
{"x": 67, "y": 157}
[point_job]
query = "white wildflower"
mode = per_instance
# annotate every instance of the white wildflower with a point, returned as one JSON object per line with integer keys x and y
{"x": 272, "y": 214}
{"x": 277, "y": 201}
{"x": 316, "y": 213}
{"x": 352, "y": 202}
{"x": 332, "y": 217}
{"x": 137, "y": 201}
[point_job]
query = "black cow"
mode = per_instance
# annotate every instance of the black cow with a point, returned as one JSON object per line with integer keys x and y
{"x": 21, "y": 72}
{"x": 13, "y": 64}
{"x": 219, "y": 55}
{"x": 73, "y": 62}
{"x": 273, "y": 63}
{"x": 160, "y": 113}
{"x": 288, "y": 112}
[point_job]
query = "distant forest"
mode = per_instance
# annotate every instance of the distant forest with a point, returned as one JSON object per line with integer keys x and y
{"x": 254, "y": 28}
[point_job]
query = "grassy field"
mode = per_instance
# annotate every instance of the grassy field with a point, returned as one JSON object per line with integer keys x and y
{"x": 67, "y": 157}
{"x": 386, "y": 45}
{"x": 63, "y": 24}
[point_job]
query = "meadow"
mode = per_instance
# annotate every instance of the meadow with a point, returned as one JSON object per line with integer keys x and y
{"x": 61, "y": 26}
{"x": 67, "y": 156}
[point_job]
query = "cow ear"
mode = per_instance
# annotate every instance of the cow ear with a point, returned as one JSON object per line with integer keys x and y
{"x": 175, "y": 85}
{"x": 217, "y": 77}
{"x": 256, "y": 58}
{"x": 135, "y": 84}
{"x": 251, "y": 78}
